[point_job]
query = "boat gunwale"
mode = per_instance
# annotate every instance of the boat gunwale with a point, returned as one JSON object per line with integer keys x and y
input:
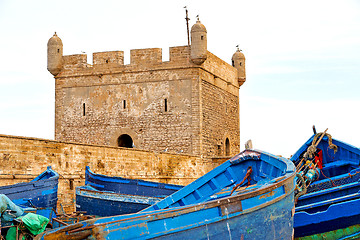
{"x": 112, "y": 179}
{"x": 81, "y": 189}
{"x": 263, "y": 156}
{"x": 49, "y": 170}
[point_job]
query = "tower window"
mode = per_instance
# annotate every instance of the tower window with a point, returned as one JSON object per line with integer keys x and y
{"x": 71, "y": 184}
{"x": 83, "y": 109}
{"x": 166, "y": 105}
{"x": 202, "y": 37}
{"x": 233, "y": 64}
{"x": 240, "y": 63}
{"x": 227, "y": 147}
{"x": 58, "y": 50}
{"x": 107, "y": 61}
{"x": 124, "y": 104}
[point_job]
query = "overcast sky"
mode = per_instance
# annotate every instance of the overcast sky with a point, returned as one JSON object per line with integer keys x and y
{"x": 302, "y": 59}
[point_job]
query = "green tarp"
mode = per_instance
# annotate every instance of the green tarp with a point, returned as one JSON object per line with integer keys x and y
{"x": 33, "y": 222}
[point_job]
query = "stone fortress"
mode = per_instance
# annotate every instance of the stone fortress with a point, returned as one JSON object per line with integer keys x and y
{"x": 188, "y": 104}
{"x": 160, "y": 121}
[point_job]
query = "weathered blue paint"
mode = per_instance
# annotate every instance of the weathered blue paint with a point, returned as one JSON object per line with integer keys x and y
{"x": 105, "y": 203}
{"x": 265, "y": 171}
{"x": 108, "y": 196}
{"x": 333, "y": 201}
{"x": 41, "y": 192}
{"x": 128, "y": 186}
{"x": 262, "y": 210}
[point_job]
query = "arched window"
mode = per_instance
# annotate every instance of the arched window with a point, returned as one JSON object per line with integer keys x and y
{"x": 125, "y": 141}
{"x": 227, "y": 147}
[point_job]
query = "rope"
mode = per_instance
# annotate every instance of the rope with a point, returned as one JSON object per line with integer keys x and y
{"x": 247, "y": 177}
{"x": 333, "y": 184}
{"x": 312, "y": 149}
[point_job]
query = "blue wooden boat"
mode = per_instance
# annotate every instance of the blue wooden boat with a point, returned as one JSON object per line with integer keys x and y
{"x": 41, "y": 192}
{"x": 108, "y": 196}
{"x": 249, "y": 196}
{"x": 331, "y": 204}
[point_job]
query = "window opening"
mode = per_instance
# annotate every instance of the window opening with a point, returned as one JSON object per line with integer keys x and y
{"x": 58, "y": 50}
{"x": 233, "y": 64}
{"x": 240, "y": 63}
{"x": 202, "y": 37}
{"x": 71, "y": 184}
{"x": 124, "y": 104}
{"x": 227, "y": 147}
{"x": 166, "y": 105}
{"x": 83, "y": 109}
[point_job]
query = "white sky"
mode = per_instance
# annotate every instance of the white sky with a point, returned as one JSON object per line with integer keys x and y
{"x": 302, "y": 59}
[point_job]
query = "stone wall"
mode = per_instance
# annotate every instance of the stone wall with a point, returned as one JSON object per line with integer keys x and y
{"x": 22, "y": 159}
{"x": 222, "y": 125}
{"x": 162, "y": 106}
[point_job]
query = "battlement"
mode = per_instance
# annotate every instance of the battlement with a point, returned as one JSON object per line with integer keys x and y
{"x": 76, "y": 60}
{"x": 138, "y": 58}
{"x": 113, "y": 57}
{"x": 217, "y": 71}
{"x": 146, "y": 56}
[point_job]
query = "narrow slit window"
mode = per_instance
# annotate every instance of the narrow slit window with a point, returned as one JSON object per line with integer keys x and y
{"x": 124, "y": 104}
{"x": 166, "y": 104}
{"x": 240, "y": 63}
{"x": 58, "y": 50}
{"x": 84, "y": 111}
{"x": 71, "y": 184}
{"x": 202, "y": 37}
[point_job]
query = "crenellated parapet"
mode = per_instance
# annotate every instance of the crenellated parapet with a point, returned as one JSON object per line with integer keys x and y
{"x": 74, "y": 61}
{"x": 108, "y": 58}
{"x": 149, "y": 56}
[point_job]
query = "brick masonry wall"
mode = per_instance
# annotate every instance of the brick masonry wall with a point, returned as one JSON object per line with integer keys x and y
{"x": 22, "y": 159}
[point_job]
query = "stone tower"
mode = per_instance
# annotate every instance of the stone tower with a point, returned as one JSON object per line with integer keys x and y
{"x": 189, "y": 104}
{"x": 54, "y": 55}
{"x": 198, "y": 43}
{"x": 238, "y": 61}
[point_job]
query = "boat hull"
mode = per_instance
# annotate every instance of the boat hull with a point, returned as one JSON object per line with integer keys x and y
{"x": 217, "y": 206}
{"x": 129, "y": 186}
{"x": 40, "y": 192}
{"x": 108, "y": 196}
{"x": 271, "y": 222}
{"x": 104, "y": 204}
{"x": 330, "y": 206}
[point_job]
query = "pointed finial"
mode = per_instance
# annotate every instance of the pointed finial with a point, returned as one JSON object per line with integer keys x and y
{"x": 55, "y": 34}
{"x": 237, "y": 48}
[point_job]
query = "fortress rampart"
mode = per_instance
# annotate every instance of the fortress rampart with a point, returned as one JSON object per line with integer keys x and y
{"x": 22, "y": 159}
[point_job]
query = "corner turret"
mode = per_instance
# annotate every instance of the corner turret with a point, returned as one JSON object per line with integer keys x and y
{"x": 54, "y": 55}
{"x": 238, "y": 61}
{"x": 198, "y": 43}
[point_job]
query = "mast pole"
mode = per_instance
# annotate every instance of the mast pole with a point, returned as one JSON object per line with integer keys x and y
{"x": 187, "y": 25}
